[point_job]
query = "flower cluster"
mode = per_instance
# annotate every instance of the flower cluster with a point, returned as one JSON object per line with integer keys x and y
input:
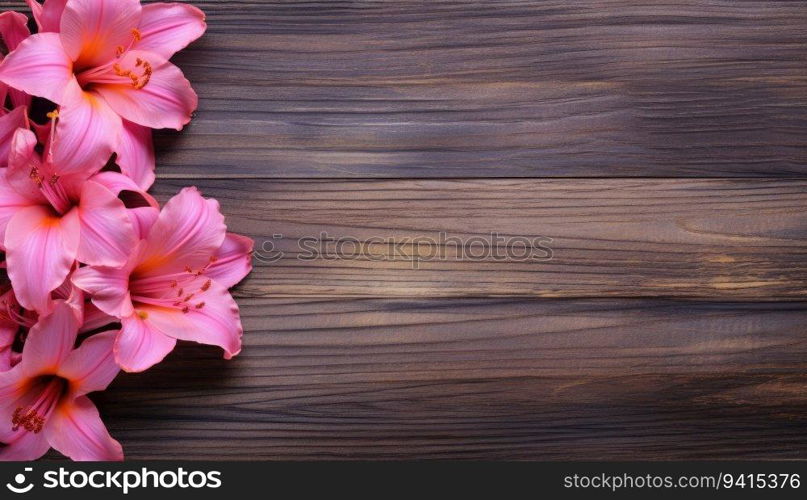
{"x": 97, "y": 277}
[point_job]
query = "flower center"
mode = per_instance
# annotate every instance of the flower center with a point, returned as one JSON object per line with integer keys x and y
{"x": 48, "y": 184}
{"x": 183, "y": 290}
{"x": 32, "y": 418}
{"x": 114, "y": 72}
{"x": 52, "y": 190}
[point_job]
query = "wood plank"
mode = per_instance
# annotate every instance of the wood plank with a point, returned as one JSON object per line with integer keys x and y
{"x": 504, "y": 89}
{"x": 590, "y": 88}
{"x": 480, "y": 378}
{"x": 730, "y": 239}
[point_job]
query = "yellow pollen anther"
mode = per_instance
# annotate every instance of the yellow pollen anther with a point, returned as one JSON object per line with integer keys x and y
{"x": 138, "y": 81}
{"x": 136, "y": 34}
{"x": 143, "y": 314}
{"x": 146, "y": 76}
{"x": 53, "y": 114}
{"x": 34, "y": 175}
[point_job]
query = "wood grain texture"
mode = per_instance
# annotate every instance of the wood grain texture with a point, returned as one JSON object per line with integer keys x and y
{"x": 496, "y": 89}
{"x": 670, "y": 321}
{"x": 627, "y": 238}
{"x": 471, "y": 378}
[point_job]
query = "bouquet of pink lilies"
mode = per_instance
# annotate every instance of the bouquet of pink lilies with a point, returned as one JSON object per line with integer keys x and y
{"x": 98, "y": 277}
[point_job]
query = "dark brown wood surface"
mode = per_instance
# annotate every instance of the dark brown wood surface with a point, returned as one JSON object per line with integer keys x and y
{"x": 480, "y": 378}
{"x": 708, "y": 239}
{"x": 661, "y": 145}
{"x": 496, "y": 89}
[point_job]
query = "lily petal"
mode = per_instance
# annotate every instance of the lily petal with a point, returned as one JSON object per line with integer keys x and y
{"x": 136, "y": 154}
{"x": 48, "y": 15}
{"x": 41, "y": 249}
{"x": 5, "y": 347}
{"x": 141, "y": 216}
{"x": 92, "y": 366}
{"x": 24, "y": 446}
{"x": 72, "y": 295}
{"x": 42, "y": 131}
{"x": 9, "y": 124}
{"x": 119, "y": 183}
{"x": 107, "y": 233}
{"x": 213, "y": 320}
{"x": 16, "y": 188}
{"x": 233, "y": 260}
{"x": 75, "y": 430}
{"x": 92, "y": 30}
{"x": 5, "y": 359}
{"x": 86, "y": 133}
{"x": 139, "y": 347}
{"x": 188, "y": 232}
{"x": 13, "y": 395}
{"x": 109, "y": 288}
{"x": 13, "y": 29}
{"x": 11, "y": 202}
{"x": 22, "y": 159}
{"x": 8, "y": 332}
{"x": 95, "y": 318}
{"x": 50, "y": 341}
{"x": 166, "y": 101}
{"x": 39, "y": 66}
{"x": 167, "y": 28}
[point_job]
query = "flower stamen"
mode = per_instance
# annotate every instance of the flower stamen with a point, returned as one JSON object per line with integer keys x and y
{"x": 33, "y": 418}
{"x": 177, "y": 292}
{"x": 34, "y": 175}
{"x": 138, "y": 80}
{"x": 28, "y": 419}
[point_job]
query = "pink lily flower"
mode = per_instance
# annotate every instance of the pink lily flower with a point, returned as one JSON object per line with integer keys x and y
{"x": 54, "y": 214}
{"x": 105, "y": 62}
{"x": 174, "y": 285}
{"x": 43, "y": 399}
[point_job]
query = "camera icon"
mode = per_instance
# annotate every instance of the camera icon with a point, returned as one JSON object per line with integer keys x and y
{"x": 20, "y": 479}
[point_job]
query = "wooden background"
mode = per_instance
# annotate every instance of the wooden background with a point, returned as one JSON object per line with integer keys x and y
{"x": 662, "y": 145}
